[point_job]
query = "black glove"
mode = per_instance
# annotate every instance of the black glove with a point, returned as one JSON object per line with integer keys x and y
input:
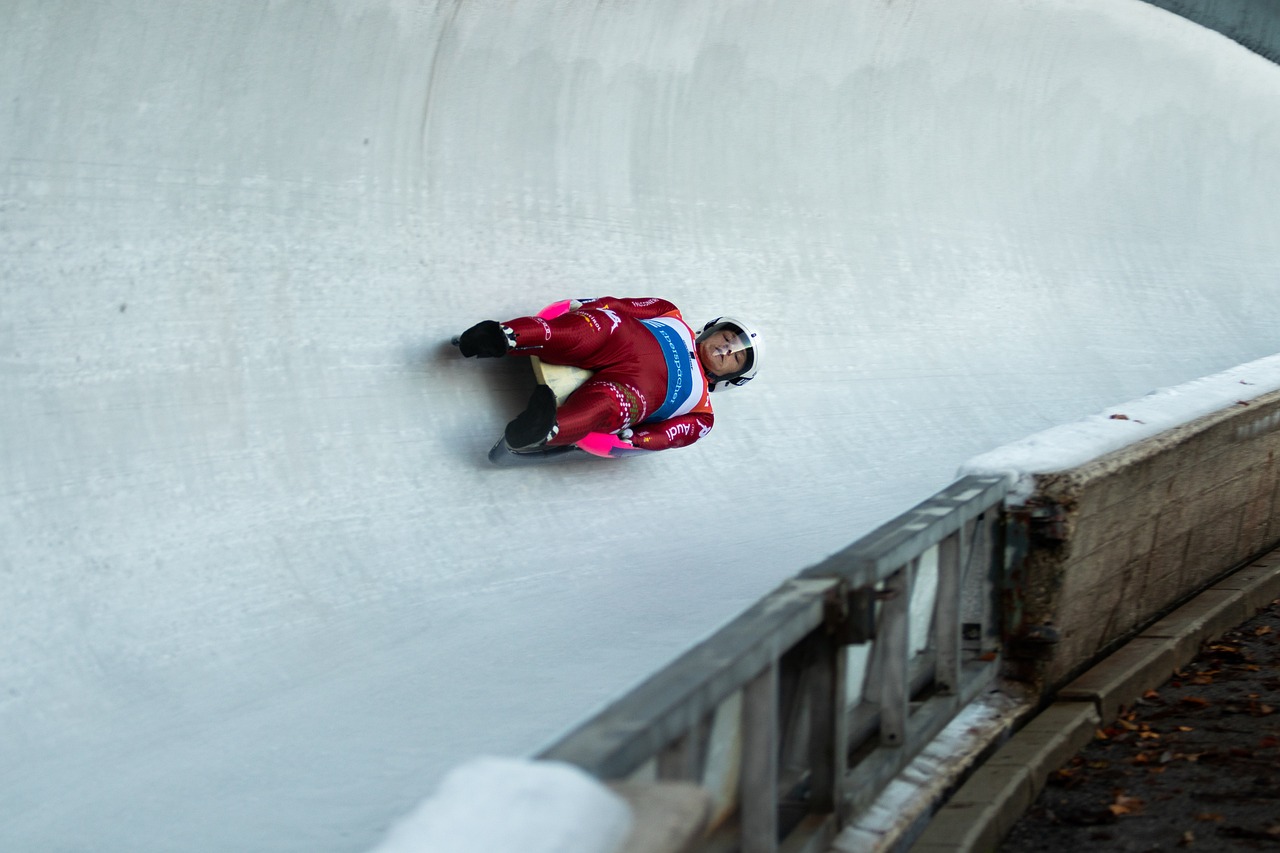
{"x": 486, "y": 339}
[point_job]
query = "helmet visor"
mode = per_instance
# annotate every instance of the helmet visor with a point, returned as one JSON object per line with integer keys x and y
{"x": 726, "y": 352}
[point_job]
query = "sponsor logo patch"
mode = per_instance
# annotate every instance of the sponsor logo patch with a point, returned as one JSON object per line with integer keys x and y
{"x": 617, "y": 321}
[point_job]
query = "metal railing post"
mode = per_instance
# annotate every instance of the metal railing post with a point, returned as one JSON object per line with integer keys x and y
{"x": 946, "y": 618}
{"x": 758, "y": 797}
{"x": 892, "y": 647}
{"x": 679, "y": 761}
{"x": 828, "y": 728}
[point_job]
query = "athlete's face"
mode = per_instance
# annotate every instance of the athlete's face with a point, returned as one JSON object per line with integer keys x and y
{"x": 723, "y": 352}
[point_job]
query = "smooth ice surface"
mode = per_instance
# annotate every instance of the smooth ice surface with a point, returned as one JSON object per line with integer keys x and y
{"x": 259, "y": 588}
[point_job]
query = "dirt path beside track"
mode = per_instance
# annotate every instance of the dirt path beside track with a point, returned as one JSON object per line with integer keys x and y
{"x": 1193, "y": 765}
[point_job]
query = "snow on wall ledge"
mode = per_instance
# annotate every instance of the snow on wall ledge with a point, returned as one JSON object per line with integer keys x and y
{"x": 1074, "y": 444}
{"x": 255, "y": 571}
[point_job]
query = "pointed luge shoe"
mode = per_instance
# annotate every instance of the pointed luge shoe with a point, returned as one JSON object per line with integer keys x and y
{"x": 536, "y": 425}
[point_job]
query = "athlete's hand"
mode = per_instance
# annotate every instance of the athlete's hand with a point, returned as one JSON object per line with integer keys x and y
{"x": 639, "y": 442}
{"x": 486, "y": 339}
{"x": 609, "y": 444}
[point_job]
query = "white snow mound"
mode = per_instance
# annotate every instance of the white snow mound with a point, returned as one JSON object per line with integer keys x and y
{"x": 503, "y": 805}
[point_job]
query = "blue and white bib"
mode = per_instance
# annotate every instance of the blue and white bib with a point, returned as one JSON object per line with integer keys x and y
{"x": 686, "y": 384}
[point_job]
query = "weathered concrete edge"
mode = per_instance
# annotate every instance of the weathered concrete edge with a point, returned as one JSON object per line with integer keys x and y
{"x": 985, "y": 808}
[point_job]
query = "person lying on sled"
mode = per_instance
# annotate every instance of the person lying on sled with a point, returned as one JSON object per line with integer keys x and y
{"x": 652, "y": 376}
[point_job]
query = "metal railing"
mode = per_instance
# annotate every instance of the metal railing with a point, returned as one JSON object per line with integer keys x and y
{"x": 800, "y": 711}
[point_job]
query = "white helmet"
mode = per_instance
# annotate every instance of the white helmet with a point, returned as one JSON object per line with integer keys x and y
{"x": 750, "y": 344}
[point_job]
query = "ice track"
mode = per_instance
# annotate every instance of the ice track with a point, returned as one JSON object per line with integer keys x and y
{"x": 259, "y": 588}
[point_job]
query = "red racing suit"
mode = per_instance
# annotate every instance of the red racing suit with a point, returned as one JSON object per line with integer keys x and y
{"x": 647, "y": 374}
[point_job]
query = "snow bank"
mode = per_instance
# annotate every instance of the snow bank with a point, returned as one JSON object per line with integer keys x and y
{"x": 495, "y": 805}
{"x": 1069, "y": 445}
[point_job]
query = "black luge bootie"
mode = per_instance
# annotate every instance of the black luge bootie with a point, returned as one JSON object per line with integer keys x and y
{"x": 486, "y": 339}
{"x": 536, "y": 425}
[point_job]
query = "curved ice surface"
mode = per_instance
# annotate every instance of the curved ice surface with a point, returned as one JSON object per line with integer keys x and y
{"x": 259, "y": 588}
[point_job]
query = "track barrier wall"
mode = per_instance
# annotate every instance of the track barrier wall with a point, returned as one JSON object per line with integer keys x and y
{"x": 1127, "y": 536}
{"x": 793, "y": 718}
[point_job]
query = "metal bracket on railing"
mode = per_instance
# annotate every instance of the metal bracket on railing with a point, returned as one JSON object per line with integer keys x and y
{"x": 1035, "y": 641}
{"x": 1045, "y": 520}
{"x": 850, "y": 615}
{"x": 1040, "y": 523}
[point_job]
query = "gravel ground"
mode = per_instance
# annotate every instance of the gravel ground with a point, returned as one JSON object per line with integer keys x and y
{"x": 1194, "y": 765}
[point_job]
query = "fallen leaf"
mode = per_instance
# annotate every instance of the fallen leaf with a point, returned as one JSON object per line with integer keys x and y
{"x": 1209, "y": 817}
{"x": 1119, "y": 417}
{"x": 1262, "y": 631}
{"x": 1062, "y": 775}
{"x": 1188, "y": 838}
{"x": 1185, "y": 729}
{"x": 1151, "y": 694}
{"x": 1196, "y": 701}
{"x": 1124, "y": 805}
{"x": 1149, "y": 735}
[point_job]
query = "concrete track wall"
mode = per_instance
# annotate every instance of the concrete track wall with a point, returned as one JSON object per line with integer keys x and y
{"x": 1124, "y": 537}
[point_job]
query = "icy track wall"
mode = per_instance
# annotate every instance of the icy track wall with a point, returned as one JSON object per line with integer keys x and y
{"x": 1256, "y": 25}
{"x": 258, "y": 586}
